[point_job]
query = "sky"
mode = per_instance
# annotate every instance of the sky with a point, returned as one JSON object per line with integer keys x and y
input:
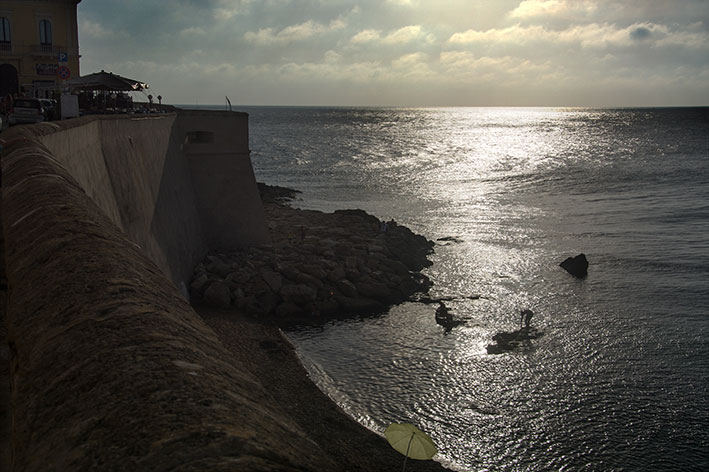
{"x": 405, "y": 52}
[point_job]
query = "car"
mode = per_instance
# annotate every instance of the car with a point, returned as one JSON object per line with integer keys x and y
{"x": 27, "y": 110}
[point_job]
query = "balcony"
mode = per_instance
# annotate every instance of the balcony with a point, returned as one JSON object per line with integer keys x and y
{"x": 45, "y": 50}
{"x": 5, "y": 46}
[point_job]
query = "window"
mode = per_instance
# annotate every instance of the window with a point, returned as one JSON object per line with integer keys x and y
{"x": 4, "y": 30}
{"x": 45, "y": 32}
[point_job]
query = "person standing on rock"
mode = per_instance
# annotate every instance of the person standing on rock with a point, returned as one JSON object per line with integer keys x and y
{"x": 443, "y": 316}
{"x": 525, "y": 316}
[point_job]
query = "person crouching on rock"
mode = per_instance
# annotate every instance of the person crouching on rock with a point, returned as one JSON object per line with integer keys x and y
{"x": 443, "y": 316}
{"x": 525, "y": 316}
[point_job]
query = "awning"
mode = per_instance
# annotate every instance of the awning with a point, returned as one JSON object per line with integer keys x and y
{"x": 107, "y": 81}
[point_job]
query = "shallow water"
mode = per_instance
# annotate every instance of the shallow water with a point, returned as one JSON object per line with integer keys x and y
{"x": 619, "y": 380}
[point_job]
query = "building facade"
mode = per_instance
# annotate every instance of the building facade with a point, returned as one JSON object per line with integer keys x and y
{"x": 39, "y": 45}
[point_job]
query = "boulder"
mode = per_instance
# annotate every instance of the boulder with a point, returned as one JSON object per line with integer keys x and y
{"x": 336, "y": 274}
{"x": 298, "y": 294}
{"x": 218, "y": 294}
{"x": 219, "y": 267}
{"x": 273, "y": 279}
{"x": 267, "y": 302}
{"x": 199, "y": 283}
{"x": 373, "y": 289}
{"x": 287, "y": 309}
{"x": 576, "y": 266}
{"x": 347, "y": 288}
{"x": 314, "y": 270}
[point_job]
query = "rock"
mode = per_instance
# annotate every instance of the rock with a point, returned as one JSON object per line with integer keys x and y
{"x": 309, "y": 280}
{"x": 287, "y": 309}
{"x": 451, "y": 239}
{"x": 290, "y": 272}
{"x": 338, "y": 273}
{"x": 199, "y": 283}
{"x": 509, "y": 341}
{"x": 576, "y": 266}
{"x": 218, "y": 294}
{"x": 298, "y": 294}
{"x": 347, "y": 288}
{"x": 267, "y": 302}
{"x": 372, "y": 289}
{"x": 273, "y": 279}
{"x": 238, "y": 277}
{"x": 219, "y": 267}
{"x": 358, "y": 305}
{"x": 314, "y": 270}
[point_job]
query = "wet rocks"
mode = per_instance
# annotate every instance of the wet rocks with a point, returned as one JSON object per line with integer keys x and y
{"x": 319, "y": 264}
{"x": 576, "y": 266}
{"x": 507, "y": 341}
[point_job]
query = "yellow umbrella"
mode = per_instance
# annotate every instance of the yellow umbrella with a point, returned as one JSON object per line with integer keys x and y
{"x": 410, "y": 441}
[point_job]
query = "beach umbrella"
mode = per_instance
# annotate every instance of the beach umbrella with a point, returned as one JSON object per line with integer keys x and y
{"x": 410, "y": 441}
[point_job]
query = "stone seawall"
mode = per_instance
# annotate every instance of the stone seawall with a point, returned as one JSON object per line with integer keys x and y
{"x": 111, "y": 368}
{"x": 176, "y": 184}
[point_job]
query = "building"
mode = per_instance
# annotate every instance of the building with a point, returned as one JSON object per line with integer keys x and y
{"x": 39, "y": 45}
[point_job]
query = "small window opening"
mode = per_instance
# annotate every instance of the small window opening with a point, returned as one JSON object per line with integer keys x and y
{"x": 199, "y": 137}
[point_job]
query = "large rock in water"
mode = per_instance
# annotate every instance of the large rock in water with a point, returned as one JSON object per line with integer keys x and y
{"x": 576, "y": 266}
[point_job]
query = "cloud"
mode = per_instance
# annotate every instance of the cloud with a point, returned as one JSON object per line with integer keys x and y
{"x": 593, "y": 35}
{"x": 97, "y": 31}
{"x": 531, "y": 8}
{"x": 366, "y": 36}
{"x": 281, "y": 51}
{"x": 550, "y": 8}
{"x": 403, "y": 35}
{"x": 640, "y": 33}
{"x": 292, "y": 33}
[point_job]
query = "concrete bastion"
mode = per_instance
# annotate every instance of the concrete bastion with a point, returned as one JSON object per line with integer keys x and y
{"x": 110, "y": 367}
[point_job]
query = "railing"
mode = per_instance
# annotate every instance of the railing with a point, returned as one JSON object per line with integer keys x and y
{"x": 45, "y": 49}
{"x": 37, "y": 49}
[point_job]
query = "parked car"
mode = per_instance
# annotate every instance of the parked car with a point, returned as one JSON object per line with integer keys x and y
{"x": 27, "y": 110}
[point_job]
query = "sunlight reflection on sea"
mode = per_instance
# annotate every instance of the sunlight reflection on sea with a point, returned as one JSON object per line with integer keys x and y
{"x": 619, "y": 380}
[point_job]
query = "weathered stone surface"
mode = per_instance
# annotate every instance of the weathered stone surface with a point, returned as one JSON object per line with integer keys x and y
{"x": 199, "y": 283}
{"x": 372, "y": 289}
{"x": 273, "y": 279}
{"x": 218, "y": 267}
{"x": 338, "y": 273}
{"x": 347, "y": 288}
{"x": 218, "y": 294}
{"x": 576, "y": 266}
{"x": 287, "y": 310}
{"x": 298, "y": 293}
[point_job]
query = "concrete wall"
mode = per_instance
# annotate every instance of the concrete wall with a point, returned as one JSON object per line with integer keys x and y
{"x": 111, "y": 369}
{"x": 230, "y": 209}
{"x": 177, "y": 183}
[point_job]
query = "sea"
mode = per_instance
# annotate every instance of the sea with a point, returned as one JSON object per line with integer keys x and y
{"x": 619, "y": 380}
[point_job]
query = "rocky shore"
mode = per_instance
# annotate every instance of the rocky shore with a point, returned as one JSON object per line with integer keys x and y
{"x": 319, "y": 265}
